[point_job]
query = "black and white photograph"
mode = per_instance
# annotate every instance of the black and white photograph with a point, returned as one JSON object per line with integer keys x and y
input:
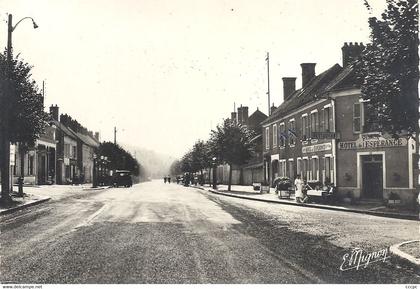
{"x": 209, "y": 142}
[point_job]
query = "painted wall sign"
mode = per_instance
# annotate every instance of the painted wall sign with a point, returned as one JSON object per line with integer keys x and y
{"x": 317, "y": 148}
{"x": 365, "y": 142}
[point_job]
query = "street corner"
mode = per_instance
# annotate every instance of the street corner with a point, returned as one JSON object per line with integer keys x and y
{"x": 408, "y": 252}
{"x": 19, "y": 203}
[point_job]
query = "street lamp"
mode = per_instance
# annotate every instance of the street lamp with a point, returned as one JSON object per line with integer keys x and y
{"x": 94, "y": 176}
{"x": 5, "y": 135}
{"x": 214, "y": 173}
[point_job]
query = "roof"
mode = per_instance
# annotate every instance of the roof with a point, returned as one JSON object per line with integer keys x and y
{"x": 257, "y": 114}
{"x": 314, "y": 90}
{"x": 66, "y": 130}
{"x": 347, "y": 78}
{"x": 87, "y": 139}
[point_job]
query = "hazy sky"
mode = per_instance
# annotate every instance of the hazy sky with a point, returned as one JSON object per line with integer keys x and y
{"x": 166, "y": 72}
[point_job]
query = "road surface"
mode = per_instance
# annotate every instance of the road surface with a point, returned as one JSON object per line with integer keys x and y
{"x": 167, "y": 233}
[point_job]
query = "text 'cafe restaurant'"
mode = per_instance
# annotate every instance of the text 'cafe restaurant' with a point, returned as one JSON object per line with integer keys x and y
{"x": 377, "y": 167}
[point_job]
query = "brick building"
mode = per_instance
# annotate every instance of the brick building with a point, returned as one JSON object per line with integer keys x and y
{"x": 319, "y": 132}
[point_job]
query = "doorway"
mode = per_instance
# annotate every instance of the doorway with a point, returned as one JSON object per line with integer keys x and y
{"x": 372, "y": 176}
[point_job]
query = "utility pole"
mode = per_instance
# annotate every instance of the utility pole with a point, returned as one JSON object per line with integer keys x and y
{"x": 115, "y": 135}
{"x": 268, "y": 81}
{"x": 5, "y": 167}
{"x": 5, "y": 136}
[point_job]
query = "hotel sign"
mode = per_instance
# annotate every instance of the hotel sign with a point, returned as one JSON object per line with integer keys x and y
{"x": 368, "y": 142}
{"x": 324, "y": 135}
{"x": 317, "y": 148}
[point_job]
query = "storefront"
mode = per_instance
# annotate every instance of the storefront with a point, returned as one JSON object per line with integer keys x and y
{"x": 373, "y": 166}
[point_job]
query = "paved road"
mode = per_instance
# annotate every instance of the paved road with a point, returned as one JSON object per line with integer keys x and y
{"x": 166, "y": 233}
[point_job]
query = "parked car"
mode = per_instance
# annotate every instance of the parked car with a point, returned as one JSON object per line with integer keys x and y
{"x": 122, "y": 178}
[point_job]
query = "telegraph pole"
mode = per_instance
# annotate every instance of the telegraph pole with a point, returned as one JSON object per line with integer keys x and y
{"x": 115, "y": 135}
{"x": 268, "y": 81}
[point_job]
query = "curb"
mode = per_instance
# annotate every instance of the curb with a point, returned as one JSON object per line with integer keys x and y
{"x": 404, "y": 256}
{"x": 21, "y": 207}
{"x": 95, "y": 189}
{"x": 379, "y": 214}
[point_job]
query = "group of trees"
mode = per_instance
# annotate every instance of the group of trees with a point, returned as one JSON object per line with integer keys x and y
{"x": 120, "y": 159}
{"x": 230, "y": 143}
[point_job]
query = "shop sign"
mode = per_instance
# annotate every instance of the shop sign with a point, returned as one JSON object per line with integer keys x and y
{"x": 372, "y": 141}
{"x": 325, "y": 135}
{"x": 316, "y": 148}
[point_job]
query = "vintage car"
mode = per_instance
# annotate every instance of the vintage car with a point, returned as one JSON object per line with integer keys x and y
{"x": 122, "y": 178}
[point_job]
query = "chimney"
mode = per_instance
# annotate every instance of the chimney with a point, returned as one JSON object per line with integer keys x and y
{"x": 233, "y": 116}
{"x": 289, "y": 86}
{"x": 351, "y": 52}
{"x": 308, "y": 72}
{"x": 97, "y": 135}
{"x": 54, "y": 112}
{"x": 245, "y": 115}
{"x": 272, "y": 109}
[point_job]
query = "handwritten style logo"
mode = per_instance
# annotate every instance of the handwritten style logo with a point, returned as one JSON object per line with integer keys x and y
{"x": 358, "y": 258}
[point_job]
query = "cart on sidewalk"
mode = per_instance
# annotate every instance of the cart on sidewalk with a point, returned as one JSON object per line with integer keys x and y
{"x": 284, "y": 187}
{"x": 317, "y": 192}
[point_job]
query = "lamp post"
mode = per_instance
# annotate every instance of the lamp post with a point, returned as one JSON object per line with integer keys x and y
{"x": 94, "y": 176}
{"x": 214, "y": 173}
{"x": 5, "y": 134}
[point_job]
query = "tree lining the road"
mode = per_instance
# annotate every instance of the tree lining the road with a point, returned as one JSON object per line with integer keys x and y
{"x": 230, "y": 143}
{"x": 120, "y": 159}
{"x": 389, "y": 69}
{"x": 22, "y": 115}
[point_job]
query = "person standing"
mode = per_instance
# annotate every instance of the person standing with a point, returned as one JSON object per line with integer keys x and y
{"x": 299, "y": 189}
{"x": 164, "y": 179}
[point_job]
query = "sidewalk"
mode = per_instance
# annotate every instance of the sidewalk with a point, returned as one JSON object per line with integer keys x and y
{"x": 247, "y": 192}
{"x": 19, "y": 203}
{"x": 408, "y": 251}
{"x": 39, "y": 194}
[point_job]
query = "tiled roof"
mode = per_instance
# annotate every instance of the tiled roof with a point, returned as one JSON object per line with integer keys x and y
{"x": 66, "y": 130}
{"x": 315, "y": 89}
{"x": 87, "y": 139}
{"x": 345, "y": 79}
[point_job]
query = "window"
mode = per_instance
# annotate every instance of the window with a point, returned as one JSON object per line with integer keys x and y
{"x": 282, "y": 168}
{"x": 73, "y": 152}
{"x": 291, "y": 170}
{"x": 328, "y": 169}
{"x": 305, "y": 127}
{"x": 283, "y": 135}
{"x": 314, "y": 169}
{"x": 67, "y": 150}
{"x": 327, "y": 119}
{"x": 299, "y": 166}
{"x": 292, "y": 132}
{"x": 30, "y": 165}
{"x": 305, "y": 171}
{"x": 267, "y": 138}
{"x": 274, "y": 135}
{"x": 314, "y": 122}
{"x": 357, "y": 120}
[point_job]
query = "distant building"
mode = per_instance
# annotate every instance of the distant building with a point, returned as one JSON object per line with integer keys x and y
{"x": 252, "y": 171}
{"x": 36, "y": 164}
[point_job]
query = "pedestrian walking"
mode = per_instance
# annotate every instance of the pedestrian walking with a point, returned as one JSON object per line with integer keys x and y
{"x": 164, "y": 179}
{"x": 299, "y": 189}
{"x": 169, "y": 179}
